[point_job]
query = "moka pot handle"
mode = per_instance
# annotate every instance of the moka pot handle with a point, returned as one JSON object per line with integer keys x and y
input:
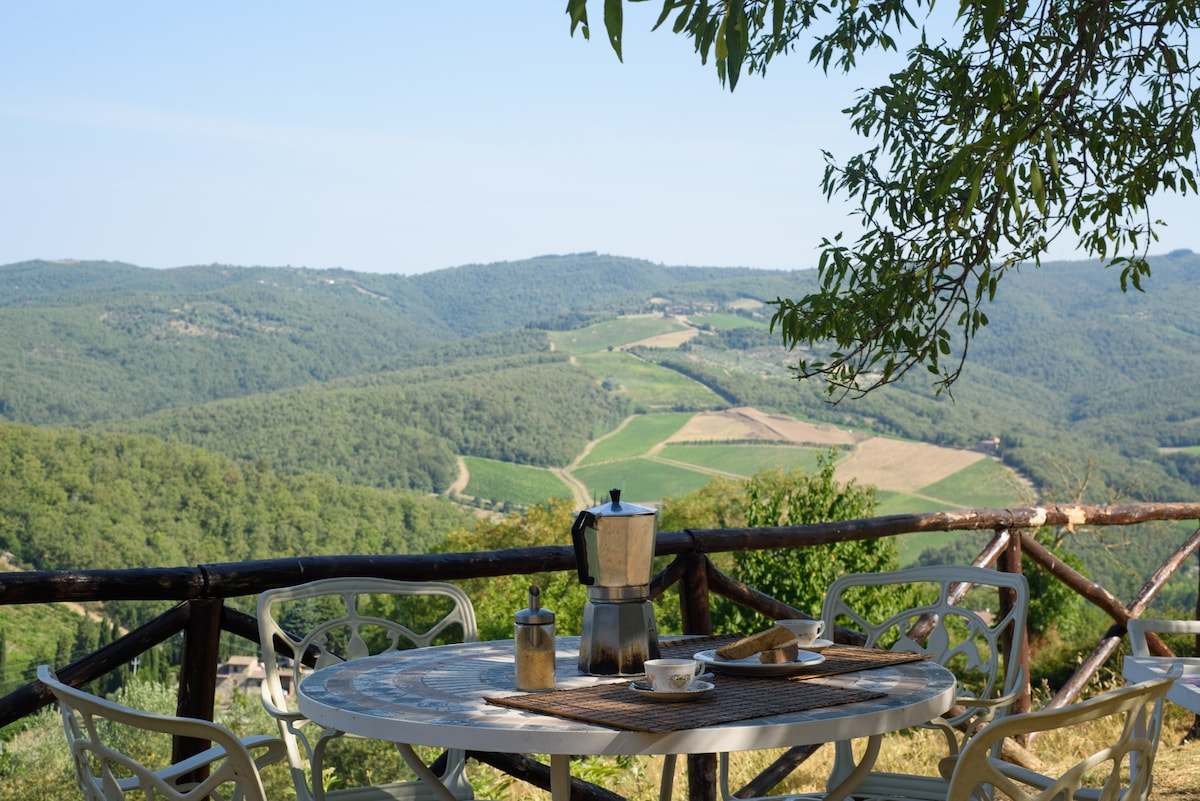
{"x": 577, "y": 537}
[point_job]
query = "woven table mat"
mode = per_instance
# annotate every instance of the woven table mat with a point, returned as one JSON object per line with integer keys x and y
{"x": 838, "y": 658}
{"x": 732, "y": 698}
{"x": 849, "y": 658}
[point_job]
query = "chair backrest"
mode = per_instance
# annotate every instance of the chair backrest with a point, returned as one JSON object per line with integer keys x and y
{"x": 328, "y": 621}
{"x": 1138, "y": 627}
{"x": 1118, "y": 767}
{"x": 942, "y": 616}
{"x": 98, "y": 735}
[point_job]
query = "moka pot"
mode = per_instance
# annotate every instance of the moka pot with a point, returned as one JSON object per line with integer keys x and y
{"x": 614, "y": 554}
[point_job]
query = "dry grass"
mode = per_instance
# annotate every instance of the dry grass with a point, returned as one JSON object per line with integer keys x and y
{"x": 1177, "y": 770}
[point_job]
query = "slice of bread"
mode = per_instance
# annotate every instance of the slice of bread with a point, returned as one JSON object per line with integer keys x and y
{"x": 779, "y": 656}
{"x": 773, "y": 637}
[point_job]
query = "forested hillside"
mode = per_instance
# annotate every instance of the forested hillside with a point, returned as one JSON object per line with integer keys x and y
{"x": 71, "y": 499}
{"x": 404, "y": 428}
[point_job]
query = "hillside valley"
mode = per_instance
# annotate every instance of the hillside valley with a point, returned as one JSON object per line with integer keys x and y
{"x": 392, "y": 381}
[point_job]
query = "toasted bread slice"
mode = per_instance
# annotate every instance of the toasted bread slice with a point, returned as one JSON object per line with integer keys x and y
{"x": 779, "y": 656}
{"x": 773, "y": 637}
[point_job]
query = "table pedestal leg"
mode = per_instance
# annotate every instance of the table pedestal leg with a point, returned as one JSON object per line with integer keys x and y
{"x": 855, "y": 777}
{"x": 560, "y": 777}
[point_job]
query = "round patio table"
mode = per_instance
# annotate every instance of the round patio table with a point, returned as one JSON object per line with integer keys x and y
{"x": 436, "y": 696}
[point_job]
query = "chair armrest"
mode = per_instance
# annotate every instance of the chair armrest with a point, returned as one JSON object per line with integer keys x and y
{"x": 274, "y": 752}
{"x": 285, "y": 715}
{"x": 273, "y": 749}
{"x": 987, "y": 706}
{"x": 967, "y": 723}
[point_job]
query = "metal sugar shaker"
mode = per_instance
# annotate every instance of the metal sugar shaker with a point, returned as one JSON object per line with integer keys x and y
{"x": 533, "y": 634}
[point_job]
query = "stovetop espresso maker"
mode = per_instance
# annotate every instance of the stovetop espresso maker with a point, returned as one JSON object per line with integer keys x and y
{"x": 614, "y": 553}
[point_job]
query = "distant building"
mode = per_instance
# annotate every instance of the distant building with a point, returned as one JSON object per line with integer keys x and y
{"x": 991, "y": 445}
{"x": 240, "y": 674}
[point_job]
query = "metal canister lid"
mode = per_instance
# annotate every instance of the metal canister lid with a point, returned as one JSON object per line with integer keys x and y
{"x": 535, "y": 615}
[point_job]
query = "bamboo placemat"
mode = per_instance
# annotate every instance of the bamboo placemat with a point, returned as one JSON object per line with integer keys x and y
{"x": 733, "y": 698}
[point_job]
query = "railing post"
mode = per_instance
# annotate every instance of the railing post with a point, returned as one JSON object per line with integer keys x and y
{"x": 697, "y": 619}
{"x": 694, "y": 610}
{"x": 198, "y": 671}
{"x": 1195, "y": 732}
{"x": 1010, "y": 562}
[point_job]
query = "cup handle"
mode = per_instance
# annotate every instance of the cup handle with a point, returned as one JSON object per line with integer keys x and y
{"x": 820, "y": 627}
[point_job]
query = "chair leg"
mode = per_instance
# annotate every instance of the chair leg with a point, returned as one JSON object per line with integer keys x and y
{"x": 422, "y": 770}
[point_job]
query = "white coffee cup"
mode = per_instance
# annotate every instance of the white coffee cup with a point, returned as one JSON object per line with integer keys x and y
{"x": 670, "y": 675}
{"x": 806, "y": 631}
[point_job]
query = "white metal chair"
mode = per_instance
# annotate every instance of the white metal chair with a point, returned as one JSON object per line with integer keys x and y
{"x": 954, "y": 617}
{"x": 337, "y": 620}
{"x": 1119, "y": 770}
{"x": 99, "y": 735}
{"x": 1142, "y": 665}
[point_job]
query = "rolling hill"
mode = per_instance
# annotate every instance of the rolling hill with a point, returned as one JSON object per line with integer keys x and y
{"x": 390, "y": 381}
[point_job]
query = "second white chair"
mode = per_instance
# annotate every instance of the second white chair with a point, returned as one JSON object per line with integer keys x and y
{"x": 966, "y": 633}
{"x": 312, "y": 625}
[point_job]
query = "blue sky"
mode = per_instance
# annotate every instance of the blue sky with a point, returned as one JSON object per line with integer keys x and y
{"x": 404, "y": 137}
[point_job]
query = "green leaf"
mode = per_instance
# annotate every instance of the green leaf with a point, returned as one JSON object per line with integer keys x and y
{"x": 991, "y": 17}
{"x": 735, "y": 33}
{"x": 577, "y": 11}
{"x": 614, "y": 21}
{"x": 1037, "y": 187}
{"x": 778, "y": 10}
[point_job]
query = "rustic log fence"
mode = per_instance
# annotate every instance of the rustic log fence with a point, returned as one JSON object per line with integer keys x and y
{"x": 201, "y": 615}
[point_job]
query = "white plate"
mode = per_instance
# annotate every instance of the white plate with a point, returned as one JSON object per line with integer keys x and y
{"x": 693, "y": 692}
{"x": 750, "y": 666}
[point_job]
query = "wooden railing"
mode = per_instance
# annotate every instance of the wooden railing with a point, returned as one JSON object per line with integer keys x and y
{"x": 200, "y": 613}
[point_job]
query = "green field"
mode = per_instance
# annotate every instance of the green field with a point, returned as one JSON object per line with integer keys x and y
{"x": 985, "y": 484}
{"x": 519, "y": 484}
{"x": 649, "y": 386}
{"x": 743, "y": 460}
{"x": 612, "y": 334}
{"x": 639, "y": 434}
{"x": 643, "y": 480}
{"x": 726, "y": 322}
{"x": 637, "y": 458}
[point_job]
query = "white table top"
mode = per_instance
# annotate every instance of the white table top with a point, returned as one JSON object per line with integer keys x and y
{"x": 435, "y": 696}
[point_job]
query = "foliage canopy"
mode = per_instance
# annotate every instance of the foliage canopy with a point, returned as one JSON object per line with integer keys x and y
{"x": 1028, "y": 120}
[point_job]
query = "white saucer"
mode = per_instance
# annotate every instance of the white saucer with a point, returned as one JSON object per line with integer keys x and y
{"x": 693, "y": 692}
{"x": 817, "y": 646}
